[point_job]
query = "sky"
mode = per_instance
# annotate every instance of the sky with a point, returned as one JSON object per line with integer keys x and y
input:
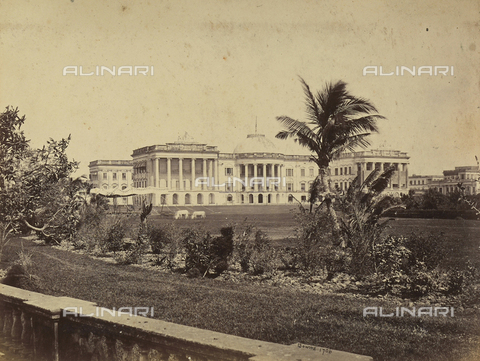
{"x": 221, "y": 65}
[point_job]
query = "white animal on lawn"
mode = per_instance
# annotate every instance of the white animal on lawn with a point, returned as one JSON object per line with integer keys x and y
{"x": 198, "y": 214}
{"x": 181, "y": 214}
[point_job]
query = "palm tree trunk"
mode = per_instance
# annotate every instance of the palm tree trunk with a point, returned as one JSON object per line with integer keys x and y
{"x": 329, "y": 199}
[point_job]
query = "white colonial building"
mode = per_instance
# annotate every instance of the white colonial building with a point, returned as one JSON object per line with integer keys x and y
{"x": 344, "y": 170}
{"x": 110, "y": 175}
{"x": 190, "y": 173}
{"x": 468, "y": 176}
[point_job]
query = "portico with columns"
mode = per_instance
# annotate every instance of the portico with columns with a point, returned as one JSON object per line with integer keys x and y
{"x": 344, "y": 170}
{"x": 187, "y": 173}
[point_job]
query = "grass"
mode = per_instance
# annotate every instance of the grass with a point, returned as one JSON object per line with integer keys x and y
{"x": 257, "y": 311}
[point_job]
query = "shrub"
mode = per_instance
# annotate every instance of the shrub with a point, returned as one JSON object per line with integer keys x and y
{"x": 111, "y": 234}
{"x": 409, "y": 267}
{"x": 206, "y": 253}
{"x": 426, "y": 249}
{"x": 102, "y": 234}
{"x": 316, "y": 250}
{"x": 253, "y": 250}
{"x": 134, "y": 254}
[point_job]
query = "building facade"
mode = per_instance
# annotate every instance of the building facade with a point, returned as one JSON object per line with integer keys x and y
{"x": 469, "y": 176}
{"x": 421, "y": 183}
{"x": 188, "y": 173}
{"x": 344, "y": 170}
{"x": 112, "y": 174}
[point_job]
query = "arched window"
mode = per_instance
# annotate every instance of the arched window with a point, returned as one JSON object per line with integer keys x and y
{"x": 199, "y": 198}
{"x": 187, "y": 198}
{"x": 175, "y": 199}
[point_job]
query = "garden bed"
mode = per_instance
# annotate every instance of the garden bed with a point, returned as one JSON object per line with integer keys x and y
{"x": 259, "y": 308}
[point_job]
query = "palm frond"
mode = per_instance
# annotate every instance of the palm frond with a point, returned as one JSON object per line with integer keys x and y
{"x": 381, "y": 182}
{"x": 312, "y": 107}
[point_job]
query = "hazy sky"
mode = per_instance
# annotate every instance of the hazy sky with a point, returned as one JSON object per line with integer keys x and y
{"x": 219, "y": 65}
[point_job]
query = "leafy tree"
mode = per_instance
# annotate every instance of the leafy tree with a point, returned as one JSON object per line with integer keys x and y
{"x": 336, "y": 122}
{"x": 13, "y": 145}
{"x": 13, "y": 149}
{"x": 36, "y": 190}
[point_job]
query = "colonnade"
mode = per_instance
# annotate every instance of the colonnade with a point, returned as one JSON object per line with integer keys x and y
{"x": 261, "y": 176}
{"x": 364, "y": 169}
{"x": 186, "y": 180}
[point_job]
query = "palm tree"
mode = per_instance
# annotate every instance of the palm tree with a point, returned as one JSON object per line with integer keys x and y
{"x": 336, "y": 122}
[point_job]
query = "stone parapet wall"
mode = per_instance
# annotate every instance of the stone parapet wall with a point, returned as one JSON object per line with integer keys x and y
{"x": 67, "y": 329}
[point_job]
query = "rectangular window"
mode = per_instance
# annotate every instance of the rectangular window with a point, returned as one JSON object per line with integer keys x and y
{"x": 349, "y": 170}
{"x": 302, "y": 187}
{"x": 124, "y": 176}
{"x": 369, "y": 166}
{"x": 105, "y": 176}
{"x": 341, "y": 171}
{"x": 114, "y": 176}
{"x": 311, "y": 172}
{"x": 336, "y": 171}
{"x": 302, "y": 172}
{"x": 289, "y": 172}
{"x": 229, "y": 171}
{"x": 290, "y": 187}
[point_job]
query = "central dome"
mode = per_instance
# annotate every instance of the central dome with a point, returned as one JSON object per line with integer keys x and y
{"x": 256, "y": 143}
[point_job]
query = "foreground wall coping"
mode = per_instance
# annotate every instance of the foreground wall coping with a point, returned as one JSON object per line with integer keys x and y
{"x": 167, "y": 333}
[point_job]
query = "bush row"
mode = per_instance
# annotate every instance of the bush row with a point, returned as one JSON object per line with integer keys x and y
{"x": 402, "y": 266}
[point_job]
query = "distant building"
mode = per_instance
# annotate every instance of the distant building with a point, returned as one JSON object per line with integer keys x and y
{"x": 112, "y": 174}
{"x": 420, "y": 183}
{"x": 349, "y": 165}
{"x": 190, "y": 173}
{"x": 469, "y": 176}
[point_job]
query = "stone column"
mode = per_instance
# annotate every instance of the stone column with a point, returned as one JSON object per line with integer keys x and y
{"x": 245, "y": 177}
{"x": 204, "y": 170}
{"x": 255, "y": 175}
{"x": 192, "y": 186}
{"x": 362, "y": 172}
{"x": 280, "y": 174}
{"x": 169, "y": 173}
{"x": 156, "y": 180}
{"x": 217, "y": 171}
{"x": 210, "y": 173}
{"x": 406, "y": 176}
{"x": 264, "y": 176}
{"x": 180, "y": 172}
{"x": 399, "y": 167}
{"x": 236, "y": 174}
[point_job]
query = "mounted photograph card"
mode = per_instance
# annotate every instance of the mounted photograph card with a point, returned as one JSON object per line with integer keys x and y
{"x": 226, "y": 180}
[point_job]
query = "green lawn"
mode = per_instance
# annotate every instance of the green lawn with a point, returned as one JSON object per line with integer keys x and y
{"x": 257, "y": 311}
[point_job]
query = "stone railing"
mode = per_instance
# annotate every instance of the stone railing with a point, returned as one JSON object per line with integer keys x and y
{"x": 66, "y": 329}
